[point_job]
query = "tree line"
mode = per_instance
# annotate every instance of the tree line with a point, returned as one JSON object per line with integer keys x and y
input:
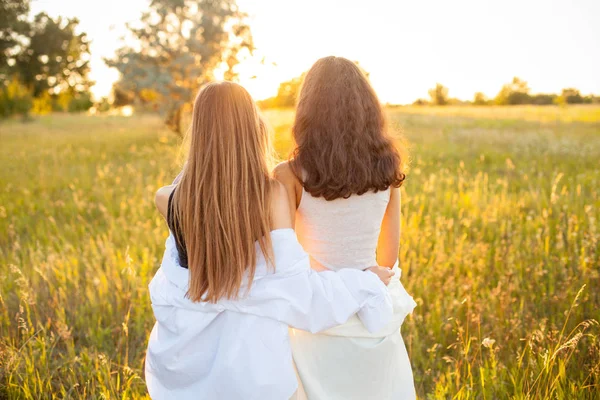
{"x": 44, "y": 64}
{"x": 516, "y": 92}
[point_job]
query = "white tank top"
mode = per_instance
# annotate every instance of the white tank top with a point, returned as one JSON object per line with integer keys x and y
{"x": 341, "y": 233}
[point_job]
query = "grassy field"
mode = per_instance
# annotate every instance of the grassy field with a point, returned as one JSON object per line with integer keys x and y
{"x": 500, "y": 248}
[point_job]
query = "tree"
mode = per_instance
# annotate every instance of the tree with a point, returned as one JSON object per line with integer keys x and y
{"x": 13, "y": 28}
{"x": 41, "y": 60}
{"x": 178, "y": 47}
{"x": 439, "y": 95}
{"x": 516, "y": 92}
{"x": 286, "y": 94}
{"x": 479, "y": 99}
{"x": 56, "y": 59}
{"x": 572, "y": 96}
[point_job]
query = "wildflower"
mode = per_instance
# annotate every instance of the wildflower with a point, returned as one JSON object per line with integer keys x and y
{"x": 487, "y": 342}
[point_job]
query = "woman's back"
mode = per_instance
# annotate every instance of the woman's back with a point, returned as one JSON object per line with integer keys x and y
{"x": 341, "y": 233}
{"x": 343, "y": 148}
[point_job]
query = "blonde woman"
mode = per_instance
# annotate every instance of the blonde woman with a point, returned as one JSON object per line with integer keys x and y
{"x": 233, "y": 276}
{"x": 343, "y": 184}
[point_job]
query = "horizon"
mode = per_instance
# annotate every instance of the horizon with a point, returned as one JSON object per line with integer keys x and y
{"x": 468, "y": 52}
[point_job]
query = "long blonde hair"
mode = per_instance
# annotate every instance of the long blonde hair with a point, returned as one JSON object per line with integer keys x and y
{"x": 222, "y": 201}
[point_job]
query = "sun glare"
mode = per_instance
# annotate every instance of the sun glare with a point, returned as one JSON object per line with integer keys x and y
{"x": 127, "y": 111}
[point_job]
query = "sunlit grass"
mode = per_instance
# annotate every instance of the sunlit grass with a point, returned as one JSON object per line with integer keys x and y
{"x": 500, "y": 248}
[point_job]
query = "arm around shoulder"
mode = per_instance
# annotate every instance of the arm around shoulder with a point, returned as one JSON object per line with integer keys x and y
{"x": 281, "y": 217}
{"x": 284, "y": 174}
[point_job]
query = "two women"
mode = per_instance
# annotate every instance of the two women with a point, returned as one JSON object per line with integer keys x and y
{"x": 234, "y": 277}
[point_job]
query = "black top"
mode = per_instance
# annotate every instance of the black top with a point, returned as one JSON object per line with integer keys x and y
{"x": 176, "y": 229}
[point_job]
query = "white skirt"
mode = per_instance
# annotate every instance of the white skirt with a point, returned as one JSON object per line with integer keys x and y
{"x": 347, "y": 362}
{"x": 347, "y": 368}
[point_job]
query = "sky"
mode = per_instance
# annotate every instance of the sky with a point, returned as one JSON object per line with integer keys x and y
{"x": 406, "y": 45}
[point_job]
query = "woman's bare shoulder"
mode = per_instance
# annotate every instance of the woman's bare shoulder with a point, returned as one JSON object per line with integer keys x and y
{"x": 283, "y": 173}
{"x": 162, "y": 199}
{"x": 281, "y": 216}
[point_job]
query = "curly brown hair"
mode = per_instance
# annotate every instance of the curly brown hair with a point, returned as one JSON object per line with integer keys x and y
{"x": 342, "y": 147}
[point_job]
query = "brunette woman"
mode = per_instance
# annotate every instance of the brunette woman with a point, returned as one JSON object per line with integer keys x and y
{"x": 343, "y": 182}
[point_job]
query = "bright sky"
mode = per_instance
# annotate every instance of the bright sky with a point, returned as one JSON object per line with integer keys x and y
{"x": 406, "y": 45}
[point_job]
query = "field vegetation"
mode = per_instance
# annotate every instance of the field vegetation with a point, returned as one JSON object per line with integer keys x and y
{"x": 500, "y": 248}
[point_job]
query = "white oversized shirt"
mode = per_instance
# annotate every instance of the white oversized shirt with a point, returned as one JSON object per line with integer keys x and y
{"x": 240, "y": 349}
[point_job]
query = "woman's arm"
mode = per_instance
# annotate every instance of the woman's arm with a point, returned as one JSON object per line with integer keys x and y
{"x": 389, "y": 237}
{"x": 281, "y": 214}
{"x": 283, "y": 173}
{"x": 293, "y": 294}
{"x": 162, "y": 199}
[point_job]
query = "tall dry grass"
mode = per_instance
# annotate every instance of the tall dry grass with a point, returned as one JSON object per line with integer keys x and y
{"x": 500, "y": 248}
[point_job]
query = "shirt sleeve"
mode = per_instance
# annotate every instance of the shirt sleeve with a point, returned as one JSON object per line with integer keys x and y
{"x": 316, "y": 301}
{"x": 294, "y": 293}
{"x": 313, "y": 301}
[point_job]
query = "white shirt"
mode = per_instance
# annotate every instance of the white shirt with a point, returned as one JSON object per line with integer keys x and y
{"x": 240, "y": 349}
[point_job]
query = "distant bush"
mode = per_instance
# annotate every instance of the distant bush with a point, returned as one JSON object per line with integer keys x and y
{"x": 591, "y": 99}
{"x": 516, "y": 92}
{"x": 15, "y": 98}
{"x": 42, "y": 105}
{"x": 439, "y": 95}
{"x": 286, "y": 94}
{"x": 420, "y": 102}
{"x": 479, "y": 99}
{"x": 543, "y": 99}
{"x": 103, "y": 105}
{"x": 80, "y": 102}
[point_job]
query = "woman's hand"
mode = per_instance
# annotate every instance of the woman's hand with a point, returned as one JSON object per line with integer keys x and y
{"x": 384, "y": 273}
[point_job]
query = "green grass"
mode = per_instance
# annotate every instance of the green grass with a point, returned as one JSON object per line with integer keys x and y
{"x": 500, "y": 245}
